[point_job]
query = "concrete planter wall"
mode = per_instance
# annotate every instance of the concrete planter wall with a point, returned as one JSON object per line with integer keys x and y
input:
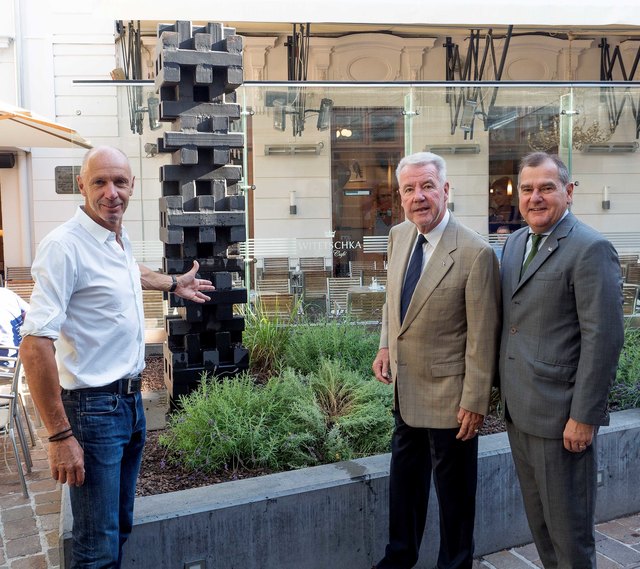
{"x": 336, "y": 515}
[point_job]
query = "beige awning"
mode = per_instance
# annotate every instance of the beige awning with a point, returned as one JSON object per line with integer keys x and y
{"x": 21, "y": 128}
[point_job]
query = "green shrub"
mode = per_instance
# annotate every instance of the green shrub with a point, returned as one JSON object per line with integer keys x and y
{"x": 625, "y": 393}
{"x": 235, "y": 423}
{"x": 357, "y": 411}
{"x": 266, "y": 339}
{"x": 351, "y": 344}
{"x": 290, "y": 422}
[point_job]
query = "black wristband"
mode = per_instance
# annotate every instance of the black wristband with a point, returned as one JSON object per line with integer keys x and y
{"x": 174, "y": 284}
{"x": 61, "y": 435}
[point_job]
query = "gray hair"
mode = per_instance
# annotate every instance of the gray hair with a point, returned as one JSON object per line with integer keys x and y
{"x": 535, "y": 159}
{"x": 424, "y": 159}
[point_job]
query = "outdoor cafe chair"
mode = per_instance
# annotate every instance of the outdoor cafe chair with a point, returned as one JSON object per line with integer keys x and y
{"x": 10, "y": 421}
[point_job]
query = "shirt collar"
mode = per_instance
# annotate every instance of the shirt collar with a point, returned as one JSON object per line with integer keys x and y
{"x": 99, "y": 233}
{"x": 434, "y": 236}
{"x": 553, "y": 227}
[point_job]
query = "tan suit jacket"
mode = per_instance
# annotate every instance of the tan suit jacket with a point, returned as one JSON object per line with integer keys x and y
{"x": 443, "y": 356}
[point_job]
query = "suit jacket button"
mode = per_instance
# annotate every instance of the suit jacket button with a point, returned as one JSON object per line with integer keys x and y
{"x": 513, "y": 330}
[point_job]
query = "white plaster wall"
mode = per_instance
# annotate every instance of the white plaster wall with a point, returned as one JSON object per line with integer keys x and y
{"x": 11, "y": 203}
{"x": 468, "y": 174}
{"x": 622, "y": 176}
{"x": 275, "y": 176}
{"x": 9, "y": 178}
{"x": 7, "y": 22}
{"x": 61, "y": 46}
{"x": 8, "y": 86}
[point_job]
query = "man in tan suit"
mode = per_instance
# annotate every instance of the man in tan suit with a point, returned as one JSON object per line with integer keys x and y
{"x": 438, "y": 347}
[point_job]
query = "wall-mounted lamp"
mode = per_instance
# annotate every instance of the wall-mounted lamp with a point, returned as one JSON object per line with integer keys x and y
{"x": 150, "y": 149}
{"x": 324, "y": 114}
{"x": 509, "y": 188}
{"x": 606, "y": 204}
{"x": 137, "y": 111}
{"x": 343, "y": 132}
{"x": 284, "y": 106}
{"x": 451, "y": 204}
{"x": 153, "y": 108}
{"x": 293, "y": 208}
{"x": 279, "y": 116}
{"x": 468, "y": 115}
{"x": 7, "y": 160}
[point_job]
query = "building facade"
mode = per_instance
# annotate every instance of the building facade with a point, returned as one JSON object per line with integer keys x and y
{"x": 330, "y": 191}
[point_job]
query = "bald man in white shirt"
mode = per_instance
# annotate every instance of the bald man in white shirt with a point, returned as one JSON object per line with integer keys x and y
{"x": 83, "y": 353}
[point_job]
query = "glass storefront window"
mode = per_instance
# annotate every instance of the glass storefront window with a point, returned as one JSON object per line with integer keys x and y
{"x": 342, "y": 180}
{"x": 319, "y": 167}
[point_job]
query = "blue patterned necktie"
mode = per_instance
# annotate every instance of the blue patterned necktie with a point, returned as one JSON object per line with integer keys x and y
{"x": 413, "y": 275}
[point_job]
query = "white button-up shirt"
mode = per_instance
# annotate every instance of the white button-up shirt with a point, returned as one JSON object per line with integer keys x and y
{"x": 432, "y": 240}
{"x": 88, "y": 299}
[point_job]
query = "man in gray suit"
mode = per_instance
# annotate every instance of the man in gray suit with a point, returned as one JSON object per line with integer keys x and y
{"x": 561, "y": 337}
{"x": 438, "y": 347}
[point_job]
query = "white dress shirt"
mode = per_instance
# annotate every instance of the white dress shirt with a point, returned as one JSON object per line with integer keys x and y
{"x": 546, "y": 234}
{"x": 432, "y": 240}
{"x": 88, "y": 299}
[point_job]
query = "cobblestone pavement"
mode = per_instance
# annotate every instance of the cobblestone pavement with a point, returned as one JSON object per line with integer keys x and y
{"x": 29, "y": 526}
{"x": 617, "y": 545}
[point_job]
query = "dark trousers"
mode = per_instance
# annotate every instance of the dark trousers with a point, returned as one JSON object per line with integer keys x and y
{"x": 559, "y": 495}
{"x": 414, "y": 454}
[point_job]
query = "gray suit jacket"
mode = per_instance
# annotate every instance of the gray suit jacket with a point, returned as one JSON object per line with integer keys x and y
{"x": 444, "y": 355}
{"x": 562, "y": 329}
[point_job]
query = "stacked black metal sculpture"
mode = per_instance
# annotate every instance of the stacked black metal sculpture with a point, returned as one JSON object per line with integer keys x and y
{"x": 201, "y": 208}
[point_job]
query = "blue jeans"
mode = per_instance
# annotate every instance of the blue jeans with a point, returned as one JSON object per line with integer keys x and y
{"x": 111, "y": 430}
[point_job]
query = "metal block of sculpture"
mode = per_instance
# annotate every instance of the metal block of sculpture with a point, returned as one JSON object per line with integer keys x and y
{"x": 201, "y": 209}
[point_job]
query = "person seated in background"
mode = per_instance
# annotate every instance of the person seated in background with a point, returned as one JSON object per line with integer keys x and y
{"x": 12, "y": 312}
{"x": 501, "y": 236}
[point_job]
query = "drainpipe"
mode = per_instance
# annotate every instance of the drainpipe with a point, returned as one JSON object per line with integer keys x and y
{"x": 17, "y": 42}
{"x": 25, "y": 201}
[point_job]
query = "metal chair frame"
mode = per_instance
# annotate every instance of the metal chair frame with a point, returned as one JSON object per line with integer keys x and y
{"x": 630, "y": 294}
{"x": 6, "y": 377}
{"x": 337, "y": 290}
{"x": 10, "y": 423}
{"x": 277, "y": 306}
